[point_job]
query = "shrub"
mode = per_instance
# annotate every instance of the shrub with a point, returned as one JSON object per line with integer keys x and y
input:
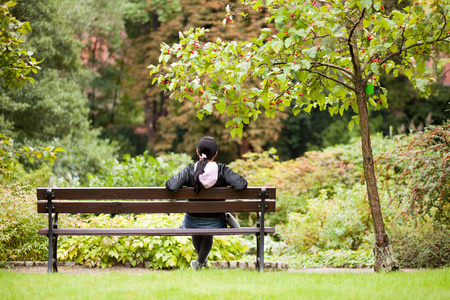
{"x": 142, "y": 170}
{"x": 422, "y": 246}
{"x": 304, "y": 176}
{"x": 296, "y": 180}
{"x": 301, "y": 179}
{"x": 19, "y": 225}
{"x": 422, "y": 164}
{"x": 335, "y": 258}
{"x": 160, "y": 252}
{"x": 340, "y": 222}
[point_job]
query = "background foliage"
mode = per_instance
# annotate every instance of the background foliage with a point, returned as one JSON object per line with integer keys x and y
{"x": 423, "y": 166}
{"x": 160, "y": 252}
{"x": 94, "y": 75}
{"x": 142, "y": 170}
{"x": 93, "y": 98}
{"x": 322, "y": 216}
{"x": 19, "y": 224}
{"x": 322, "y": 204}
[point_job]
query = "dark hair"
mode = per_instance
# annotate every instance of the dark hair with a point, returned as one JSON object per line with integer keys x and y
{"x": 206, "y": 146}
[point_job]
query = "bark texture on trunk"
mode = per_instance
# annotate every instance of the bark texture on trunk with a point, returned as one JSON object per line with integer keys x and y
{"x": 384, "y": 258}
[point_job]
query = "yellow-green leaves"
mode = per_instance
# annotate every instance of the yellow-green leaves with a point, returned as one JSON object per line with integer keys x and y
{"x": 305, "y": 59}
{"x": 15, "y": 62}
{"x": 9, "y": 155}
{"x": 48, "y": 153}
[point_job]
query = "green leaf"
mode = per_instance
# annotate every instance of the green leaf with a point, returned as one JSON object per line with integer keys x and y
{"x": 408, "y": 73}
{"x": 311, "y": 52}
{"x": 221, "y": 107}
{"x": 308, "y": 108}
{"x": 277, "y": 46}
{"x": 306, "y": 64}
{"x": 208, "y": 108}
{"x": 287, "y": 42}
{"x": 393, "y": 48}
{"x": 257, "y": 5}
{"x": 366, "y": 23}
{"x": 420, "y": 83}
{"x": 442, "y": 62}
{"x": 351, "y": 124}
{"x": 266, "y": 31}
{"x": 366, "y": 3}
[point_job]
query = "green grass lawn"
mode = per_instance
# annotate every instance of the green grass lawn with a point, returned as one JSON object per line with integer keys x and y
{"x": 226, "y": 284}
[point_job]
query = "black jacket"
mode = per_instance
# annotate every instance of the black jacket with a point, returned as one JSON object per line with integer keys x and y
{"x": 226, "y": 178}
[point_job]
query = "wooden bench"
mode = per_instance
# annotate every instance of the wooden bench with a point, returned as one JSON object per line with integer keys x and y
{"x": 53, "y": 201}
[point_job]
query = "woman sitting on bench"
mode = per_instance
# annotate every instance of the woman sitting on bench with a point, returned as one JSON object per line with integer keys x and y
{"x": 205, "y": 174}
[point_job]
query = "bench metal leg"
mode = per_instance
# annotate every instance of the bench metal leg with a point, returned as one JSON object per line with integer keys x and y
{"x": 52, "y": 239}
{"x": 259, "y": 253}
{"x": 260, "y": 238}
{"x": 55, "y": 246}
{"x": 50, "y": 253}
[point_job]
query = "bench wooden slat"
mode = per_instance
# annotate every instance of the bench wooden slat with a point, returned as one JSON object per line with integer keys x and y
{"x": 156, "y": 231}
{"x": 115, "y": 207}
{"x": 141, "y": 193}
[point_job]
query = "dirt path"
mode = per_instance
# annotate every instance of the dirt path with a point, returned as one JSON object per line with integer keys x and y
{"x": 77, "y": 269}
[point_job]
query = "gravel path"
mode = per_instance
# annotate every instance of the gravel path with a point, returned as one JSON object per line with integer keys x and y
{"x": 77, "y": 269}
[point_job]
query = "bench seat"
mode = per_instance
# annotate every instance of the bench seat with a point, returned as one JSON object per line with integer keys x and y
{"x": 157, "y": 231}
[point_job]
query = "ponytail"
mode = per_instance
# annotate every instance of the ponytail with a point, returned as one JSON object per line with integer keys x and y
{"x": 207, "y": 149}
{"x": 199, "y": 170}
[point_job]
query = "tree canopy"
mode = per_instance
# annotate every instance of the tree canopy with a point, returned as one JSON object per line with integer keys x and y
{"x": 310, "y": 51}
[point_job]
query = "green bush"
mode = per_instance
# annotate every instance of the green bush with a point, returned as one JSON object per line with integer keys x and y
{"x": 142, "y": 170}
{"x": 334, "y": 258}
{"x": 160, "y": 252}
{"x": 339, "y": 222}
{"x": 329, "y": 171}
{"x": 85, "y": 154}
{"x": 19, "y": 225}
{"x": 422, "y": 246}
{"x": 421, "y": 163}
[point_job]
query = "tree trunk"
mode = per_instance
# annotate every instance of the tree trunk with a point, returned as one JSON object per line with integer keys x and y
{"x": 384, "y": 258}
{"x": 150, "y": 118}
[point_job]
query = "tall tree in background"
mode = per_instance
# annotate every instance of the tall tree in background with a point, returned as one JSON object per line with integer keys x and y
{"x": 145, "y": 31}
{"x": 104, "y": 56}
{"x": 16, "y": 63}
{"x": 170, "y": 125}
{"x": 336, "y": 47}
{"x": 54, "y": 109}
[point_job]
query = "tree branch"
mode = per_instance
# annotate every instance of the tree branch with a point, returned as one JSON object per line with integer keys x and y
{"x": 331, "y": 78}
{"x": 353, "y": 55}
{"x": 344, "y": 71}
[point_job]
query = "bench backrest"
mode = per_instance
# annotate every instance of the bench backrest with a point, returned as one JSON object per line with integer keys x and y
{"x": 60, "y": 195}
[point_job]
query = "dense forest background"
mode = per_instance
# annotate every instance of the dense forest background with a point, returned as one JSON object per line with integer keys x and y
{"x": 93, "y": 95}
